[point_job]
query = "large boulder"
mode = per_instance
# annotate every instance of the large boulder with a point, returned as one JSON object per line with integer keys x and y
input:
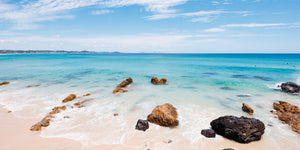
{"x": 4, "y": 83}
{"x": 240, "y": 129}
{"x": 69, "y": 98}
{"x": 289, "y": 114}
{"x": 164, "y": 115}
{"x": 290, "y": 87}
{"x": 246, "y": 108}
{"x": 142, "y": 125}
{"x": 155, "y": 80}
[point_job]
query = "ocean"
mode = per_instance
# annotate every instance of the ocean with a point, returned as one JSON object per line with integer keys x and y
{"x": 202, "y": 87}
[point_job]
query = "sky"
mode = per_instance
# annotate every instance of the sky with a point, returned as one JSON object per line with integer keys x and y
{"x": 159, "y": 26}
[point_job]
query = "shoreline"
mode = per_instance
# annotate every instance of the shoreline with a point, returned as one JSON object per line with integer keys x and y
{"x": 14, "y": 129}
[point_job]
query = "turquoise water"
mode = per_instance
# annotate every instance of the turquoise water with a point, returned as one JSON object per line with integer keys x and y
{"x": 201, "y": 86}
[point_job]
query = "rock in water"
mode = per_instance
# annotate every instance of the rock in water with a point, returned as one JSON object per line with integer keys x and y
{"x": 289, "y": 114}
{"x": 36, "y": 127}
{"x": 69, "y": 98}
{"x": 246, "y": 108}
{"x": 4, "y": 83}
{"x": 122, "y": 85}
{"x": 290, "y": 87}
{"x": 240, "y": 129}
{"x": 142, "y": 125}
{"x": 154, "y": 80}
{"x": 164, "y": 115}
{"x": 209, "y": 133}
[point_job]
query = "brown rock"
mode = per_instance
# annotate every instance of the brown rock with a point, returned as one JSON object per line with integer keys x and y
{"x": 80, "y": 104}
{"x": 36, "y": 127}
{"x": 87, "y": 94}
{"x": 246, "y": 108}
{"x": 122, "y": 85}
{"x": 4, "y": 83}
{"x": 46, "y": 121}
{"x": 164, "y": 115}
{"x": 69, "y": 98}
{"x": 57, "y": 109}
{"x": 116, "y": 114}
{"x": 288, "y": 114}
{"x": 154, "y": 80}
{"x": 9, "y": 111}
{"x": 33, "y": 85}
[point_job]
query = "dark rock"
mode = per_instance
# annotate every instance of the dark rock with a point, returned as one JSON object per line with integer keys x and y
{"x": 228, "y": 149}
{"x": 226, "y": 88}
{"x": 290, "y": 87}
{"x": 142, "y": 125}
{"x": 262, "y": 78}
{"x": 245, "y": 95}
{"x": 289, "y": 114}
{"x": 164, "y": 115}
{"x": 240, "y": 76}
{"x": 240, "y": 129}
{"x": 168, "y": 141}
{"x": 246, "y": 108}
{"x": 67, "y": 117}
{"x": 209, "y": 133}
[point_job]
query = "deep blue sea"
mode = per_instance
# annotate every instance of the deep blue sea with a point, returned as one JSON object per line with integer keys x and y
{"x": 201, "y": 86}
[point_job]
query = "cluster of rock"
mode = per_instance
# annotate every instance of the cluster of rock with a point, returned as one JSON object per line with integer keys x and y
{"x": 288, "y": 114}
{"x": 122, "y": 85}
{"x": 154, "y": 80}
{"x": 4, "y": 83}
{"x": 45, "y": 122}
{"x": 163, "y": 115}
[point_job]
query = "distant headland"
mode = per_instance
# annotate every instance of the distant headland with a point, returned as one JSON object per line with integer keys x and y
{"x": 50, "y": 52}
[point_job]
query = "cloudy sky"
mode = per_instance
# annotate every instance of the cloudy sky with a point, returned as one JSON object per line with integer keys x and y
{"x": 175, "y": 26}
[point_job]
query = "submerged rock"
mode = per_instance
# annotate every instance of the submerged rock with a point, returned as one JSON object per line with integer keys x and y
{"x": 154, "y": 80}
{"x": 209, "y": 133}
{"x": 240, "y": 129}
{"x": 33, "y": 85}
{"x": 81, "y": 104}
{"x": 69, "y": 98}
{"x": 4, "y": 83}
{"x": 122, "y": 85}
{"x": 290, "y": 87}
{"x": 142, "y": 125}
{"x": 289, "y": 114}
{"x": 164, "y": 115}
{"x": 36, "y": 127}
{"x": 57, "y": 109}
{"x": 246, "y": 108}
{"x": 87, "y": 94}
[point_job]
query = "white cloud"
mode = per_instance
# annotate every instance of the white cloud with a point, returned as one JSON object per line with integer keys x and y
{"x": 251, "y": 25}
{"x": 101, "y": 12}
{"x": 215, "y": 30}
{"x": 27, "y": 15}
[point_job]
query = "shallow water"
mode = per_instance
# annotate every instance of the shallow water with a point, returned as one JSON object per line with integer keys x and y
{"x": 201, "y": 86}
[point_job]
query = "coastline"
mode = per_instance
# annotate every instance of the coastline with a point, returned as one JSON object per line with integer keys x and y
{"x": 15, "y": 135}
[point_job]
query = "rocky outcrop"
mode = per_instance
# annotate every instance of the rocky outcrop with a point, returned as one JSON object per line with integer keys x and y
{"x": 290, "y": 87}
{"x": 122, "y": 85}
{"x": 4, "y": 83}
{"x": 209, "y": 133}
{"x": 246, "y": 108}
{"x": 57, "y": 109}
{"x": 240, "y": 129}
{"x": 164, "y": 115}
{"x": 288, "y": 114}
{"x": 142, "y": 125}
{"x": 69, "y": 98}
{"x": 154, "y": 80}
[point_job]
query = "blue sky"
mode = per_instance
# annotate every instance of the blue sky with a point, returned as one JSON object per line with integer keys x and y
{"x": 172, "y": 26}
